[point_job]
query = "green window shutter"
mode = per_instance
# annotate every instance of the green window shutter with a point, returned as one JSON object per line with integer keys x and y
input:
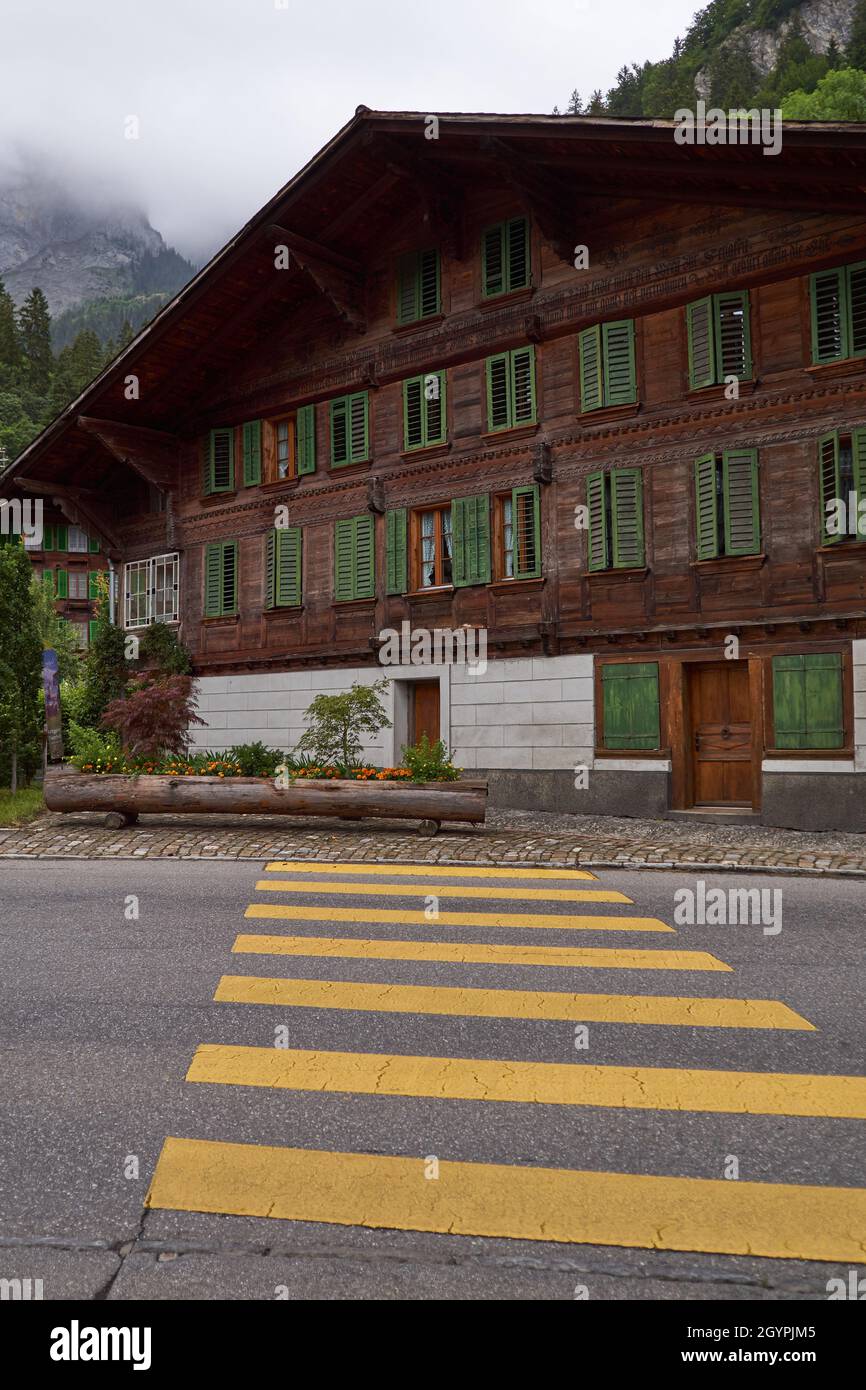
{"x": 626, "y": 499}
{"x": 229, "y": 577}
{"x": 630, "y": 703}
{"x": 733, "y": 338}
{"x": 470, "y": 540}
{"x": 48, "y": 538}
{"x": 522, "y": 381}
{"x": 396, "y": 581}
{"x": 91, "y": 629}
{"x": 830, "y": 482}
{"x": 364, "y": 558}
{"x": 856, "y": 284}
{"x": 827, "y": 290}
{"x": 213, "y": 566}
{"x": 858, "y": 441}
{"x": 706, "y": 508}
{"x": 221, "y": 461}
{"x": 359, "y": 432}
{"x": 306, "y": 430}
{"x": 435, "y": 412}
{"x": 493, "y": 260}
{"x": 413, "y": 413}
{"x": 339, "y": 432}
{"x": 702, "y": 343}
{"x": 62, "y": 584}
{"x": 525, "y": 513}
{"x": 430, "y": 293}
{"x": 498, "y": 392}
{"x": 94, "y": 545}
{"x": 62, "y": 538}
{"x": 591, "y": 391}
{"x": 517, "y": 264}
{"x": 408, "y": 288}
{"x": 807, "y": 701}
{"x": 742, "y": 506}
{"x": 620, "y": 385}
{"x": 287, "y": 592}
{"x": 344, "y": 563}
{"x": 252, "y": 450}
{"x": 93, "y": 584}
{"x": 597, "y": 548}
{"x": 48, "y": 580}
{"x": 270, "y": 568}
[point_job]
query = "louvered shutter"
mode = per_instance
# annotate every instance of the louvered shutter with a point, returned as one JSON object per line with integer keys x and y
{"x": 429, "y": 298}
{"x": 517, "y": 237}
{"x": 93, "y": 545}
{"x": 829, "y": 319}
{"x": 395, "y": 552}
{"x": 252, "y": 451}
{"x": 213, "y": 580}
{"x": 413, "y": 413}
{"x": 470, "y": 531}
{"x": 288, "y": 567}
{"x": 62, "y": 584}
{"x": 591, "y": 392}
{"x": 408, "y": 298}
{"x": 339, "y": 432}
{"x": 742, "y": 509}
{"x": 733, "y": 335}
{"x": 597, "y": 548}
{"x": 344, "y": 564}
{"x": 493, "y": 260}
{"x": 830, "y": 483}
{"x": 702, "y": 343}
{"x": 620, "y": 386}
{"x": 230, "y": 577}
{"x": 498, "y": 392}
{"x": 48, "y": 538}
{"x": 365, "y": 573}
{"x": 306, "y": 435}
{"x": 706, "y": 508}
{"x": 626, "y": 499}
{"x": 92, "y": 627}
{"x": 856, "y": 278}
{"x": 270, "y": 568}
{"x": 630, "y": 705}
{"x": 527, "y": 532}
{"x": 359, "y": 448}
{"x": 48, "y": 580}
{"x": 522, "y": 379}
{"x": 807, "y": 701}
{"x": 62, "y": 534}
{"x": 221, "y": 476}
{"x": 434, "y": 408}
{"x": 93, "y": 584}
{"x": 858, "y": 442}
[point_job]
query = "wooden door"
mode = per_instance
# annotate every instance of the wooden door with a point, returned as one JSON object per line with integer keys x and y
{"x": 425, "y": 718}
{"x": 721, "y": 733}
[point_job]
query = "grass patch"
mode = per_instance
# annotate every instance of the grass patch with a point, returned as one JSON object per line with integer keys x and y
{"x": 25, "y": 805}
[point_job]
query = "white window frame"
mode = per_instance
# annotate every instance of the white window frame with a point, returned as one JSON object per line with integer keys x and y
{"x": 78, "y": 534}
{"x": 81, "y": 580}
{"x": 160, "y": 601}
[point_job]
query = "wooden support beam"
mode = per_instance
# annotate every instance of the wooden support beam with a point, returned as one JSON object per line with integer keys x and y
{"x": 336, "y": 277}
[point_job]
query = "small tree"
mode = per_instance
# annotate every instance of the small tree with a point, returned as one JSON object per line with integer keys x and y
{"x": 105, "y": 667}
{"x": 160, "y": 647}
{"x": 338, "y": 724}
{"x": 54, "y": 632}
{"x": 154, "y": 717}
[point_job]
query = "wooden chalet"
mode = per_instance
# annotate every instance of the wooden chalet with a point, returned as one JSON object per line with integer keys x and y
{"x": 405, "y": 393}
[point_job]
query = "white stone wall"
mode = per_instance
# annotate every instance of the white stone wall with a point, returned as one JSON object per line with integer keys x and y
{"x": 531, "y": 713}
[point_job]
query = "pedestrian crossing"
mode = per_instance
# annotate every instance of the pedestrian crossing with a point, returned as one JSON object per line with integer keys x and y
{"x": 391, "y": 1189}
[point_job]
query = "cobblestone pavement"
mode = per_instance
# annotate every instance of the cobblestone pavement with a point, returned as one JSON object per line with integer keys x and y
{"x": 509, "y": 837}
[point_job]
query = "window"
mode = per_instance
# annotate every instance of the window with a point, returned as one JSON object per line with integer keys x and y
{"x": 77, "y": 542}
{"x": 807, "y": 701}
{"x": 350, "y": 429}
{"x": 219, "y": 467}
{"x": 418, "y": 292}
{"x": 838, "y": 302}
{"x": 505, "y": 257}
{"x": 842, "y": 473}
{"x": 288, "y": 446}
{"x": 156, "y": 502}
{"x": 81, "y": 633}
{"x": 283, "y": 568}
{"x": 630, "y": 705}
{"x": 424, "y": 412}
{"x": 727, "y": 507}
{"x": 719, "y": 339}
{"x": 615, "y": 504}
{"x": 354, "y": 558}
{"x": 77, "y": 584}
{"x": 607, "y": 365}
{"x": 221, "y": 579}
{"x": 150, "y": 589}
{"x": 511, "y": 389}
{"x": 517, "y": 548}
{"x": 431, "y": 547}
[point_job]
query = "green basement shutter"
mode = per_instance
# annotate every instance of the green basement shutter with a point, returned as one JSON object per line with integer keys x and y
{"x": 306, "y": 429}
{"x": 856, "y": 275}
{"x": 830, "y": 483}
{"x": 702, "y": 343}
{"x": 354, "y": 558}
{"x": 93, "y": 584}
{"x": 733, "y": 335}
{"x": 221, "y": 578}
{"x": 620, "y": 386}
{"x": 591, "y": 390}
{"x": 62, "y": 584}
{"x": 417, "y": 286}
{"x": 829, "y": 319}
{"x": 288, "y": 567}
{"x": 62, "y": 538}
{"x": 807, "y": 701}
{"x": 522, "y": 383}
{"x": 220, "y": 465}
{"x": 626, "y": 487}
{"x": 527, "y": 532}
{"x": 252, "y": 451}
{"x": 742, "y": 508}
{"x": 630, "y": 702}
{"x": 706, "y": 508}
{"x": 396, "y": 581}
{"x": 597, "y": 550}
{"x": 470, "y": 540}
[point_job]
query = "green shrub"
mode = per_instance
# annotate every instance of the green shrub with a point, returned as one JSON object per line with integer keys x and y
{"x": 430, "y": 762}
{"x": 161, "y": 647}
{"x": 92, "y": 748}
{"x": 255, "y": 760}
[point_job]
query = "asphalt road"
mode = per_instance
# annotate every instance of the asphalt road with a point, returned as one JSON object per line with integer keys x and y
{"x": 103, "y": 1011}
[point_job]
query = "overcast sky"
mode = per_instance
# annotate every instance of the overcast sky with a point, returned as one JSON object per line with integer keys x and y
{"x": 233, "y": 96}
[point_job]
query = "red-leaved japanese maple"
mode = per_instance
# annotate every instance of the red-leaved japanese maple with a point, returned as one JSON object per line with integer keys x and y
{"x": 154, "y": 716}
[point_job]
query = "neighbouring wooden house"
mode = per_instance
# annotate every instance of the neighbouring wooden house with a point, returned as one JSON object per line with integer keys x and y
{"x": 403, "y": 394}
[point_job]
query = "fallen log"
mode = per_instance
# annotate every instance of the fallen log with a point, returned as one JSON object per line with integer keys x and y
{"x": 119, "y": 795}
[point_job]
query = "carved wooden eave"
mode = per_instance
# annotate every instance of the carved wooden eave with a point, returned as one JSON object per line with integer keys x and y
{"x": 80, "y": 507}
{"x": 336, "y": 277}
{"x": 153, "y": 454}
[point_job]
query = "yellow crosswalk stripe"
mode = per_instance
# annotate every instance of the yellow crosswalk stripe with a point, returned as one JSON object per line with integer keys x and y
{"x": 540, "y": 1083}
{"x": 520, "y": 1202}
{"x": 509, "y": 1003}
{"x": 516, "y": 921}
{"x": 305, "y": 866}
{"x": 476, "y": 953}
{"x": 443, "y": 890}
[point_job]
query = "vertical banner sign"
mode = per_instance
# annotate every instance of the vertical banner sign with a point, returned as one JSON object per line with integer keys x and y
{"x": 51, "y": 686}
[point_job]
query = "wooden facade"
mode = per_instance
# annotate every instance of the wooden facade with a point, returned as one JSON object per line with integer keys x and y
{"x": 394, "y": 398}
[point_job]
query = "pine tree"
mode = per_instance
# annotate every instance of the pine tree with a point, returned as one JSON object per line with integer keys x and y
{"x": 34, "y": 326}
{"x": 596, "y": 103}
{"x": 855, "y": 53}
{"x": 10, "y": 346}
{"x": 20, "y": 666}
{"x": 575, "y": 105}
